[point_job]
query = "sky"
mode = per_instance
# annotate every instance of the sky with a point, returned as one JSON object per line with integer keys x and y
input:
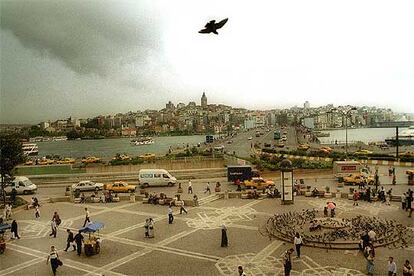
{"x": 83, "y": 58}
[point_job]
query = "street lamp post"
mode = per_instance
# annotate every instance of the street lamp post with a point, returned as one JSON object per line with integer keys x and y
{"x": 346, "y": 114}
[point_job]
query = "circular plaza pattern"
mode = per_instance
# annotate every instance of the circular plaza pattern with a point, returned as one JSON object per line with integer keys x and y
{"x": 336, "y": 233}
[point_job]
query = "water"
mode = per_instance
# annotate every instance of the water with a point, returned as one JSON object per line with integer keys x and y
{"x": 107, "y": 148}
{"x": 365, "y": 135}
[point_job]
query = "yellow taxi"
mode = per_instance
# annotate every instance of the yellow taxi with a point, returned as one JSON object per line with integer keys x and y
{"x": 147, "y": 156}
{"x": 121, "y": 157}
{"x": 325, "y": 149}
{"x": 407, "y": 154}
{"x": 29, "y": 163}
{"x": 303, "y": 147}
{"x": 357, "y": 178}
{"x": 280, "y": 145}
{"x": 120, "y": 187}
{"x": 90, "y": 159}
{"x": 66, "y": 161}
{"x": 258, "y": 183}
{"x": 363, "y": 152}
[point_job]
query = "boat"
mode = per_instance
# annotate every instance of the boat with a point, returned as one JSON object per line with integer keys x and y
{"x": 322, "y": 134}
{"x": 405, "y": 138}
{"x": 30, "y": 149}
{"x": 142, "y": 141}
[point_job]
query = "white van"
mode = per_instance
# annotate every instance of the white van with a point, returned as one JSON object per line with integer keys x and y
{"x": 22, "y": 185}
{"x": 155, "y": 177}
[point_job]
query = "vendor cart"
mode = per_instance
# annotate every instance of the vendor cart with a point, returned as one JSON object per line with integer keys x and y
{"x": 92, "y": 245}
{"x": 3, "y": 228}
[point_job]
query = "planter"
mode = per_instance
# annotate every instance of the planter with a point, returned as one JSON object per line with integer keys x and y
{"x": 308, "y": 194}
{"x": 217, "y": 189}
{"x": 350, "y": 196}
{"x": 180, "y": 190}
{"x": 327, "y": 195}
{"x": 338, "y": 195}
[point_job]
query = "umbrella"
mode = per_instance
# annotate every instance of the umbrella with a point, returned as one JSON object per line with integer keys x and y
{"x": 4, "y": 227}
{"x": 331, "y": 205}
{"x": 93, "y": 227}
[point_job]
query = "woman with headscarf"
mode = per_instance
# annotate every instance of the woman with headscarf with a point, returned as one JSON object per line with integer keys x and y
{"x": 224, "y": 240}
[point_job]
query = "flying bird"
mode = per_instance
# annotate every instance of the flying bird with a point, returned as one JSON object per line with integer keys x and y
{"x": 212, "y": 26}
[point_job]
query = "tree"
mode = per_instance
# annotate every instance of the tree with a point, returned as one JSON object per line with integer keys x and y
{"x": 11, "y": 154}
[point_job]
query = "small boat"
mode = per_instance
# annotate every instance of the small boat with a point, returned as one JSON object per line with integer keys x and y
{"x": 30, "y": 149}
{"x": 142, "y": 141}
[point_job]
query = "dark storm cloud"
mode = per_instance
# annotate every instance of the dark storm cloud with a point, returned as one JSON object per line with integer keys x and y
{"x": 97, "y": 37}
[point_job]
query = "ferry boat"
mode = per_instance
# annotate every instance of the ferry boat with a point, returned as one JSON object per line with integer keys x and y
{"x": 142, "y": 141}
{"x": 30, "y": 149}
{"x": 405, "y": 138}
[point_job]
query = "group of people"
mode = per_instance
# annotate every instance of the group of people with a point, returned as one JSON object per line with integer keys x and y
{"x": 149, "y": 228}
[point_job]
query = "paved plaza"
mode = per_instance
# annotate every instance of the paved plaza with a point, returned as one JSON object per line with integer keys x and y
{"x": 191, "y": 245}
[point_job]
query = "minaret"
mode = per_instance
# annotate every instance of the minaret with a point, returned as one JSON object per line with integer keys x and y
{"x": 204, "y": 100}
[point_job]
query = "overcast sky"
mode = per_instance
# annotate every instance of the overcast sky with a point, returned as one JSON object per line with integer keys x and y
{"x": 85, "y": 58}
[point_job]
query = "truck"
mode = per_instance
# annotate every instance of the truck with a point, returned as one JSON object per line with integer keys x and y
{"x": 22, "y": 185}
{"x": 346, "y": 168}
{"x": 241, "y": 172}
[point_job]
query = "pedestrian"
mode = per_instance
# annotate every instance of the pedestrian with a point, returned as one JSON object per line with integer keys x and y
{"x": 394, "y": 180}
{"x": 78, "y": 240}
{"x": 37, "y": 212}
{"x": 208, "y": 188}
{"x": 190, "y": 187}
{"x": 408, "y": 269}
{"x": 54, "y": 259}
{"x": 182, "y": 209}
{"x": 370, "y": 263}
{"x": 146, "y": 227}
{"x": 14, "y": 230}
{"x": 409, "y": 204}
{"x": 170, "y": 215}
{"x": 150, "y": 228}
{"x": 388, "y": 198}
{"x": 8, "y": 211}
{"x": 287, "y": 261}
{"x": 53, "y": 226}
{"x": 87, "y": 218}
{"x": 70, "y": 241}
{"x": 240, "y": 270}
{"x": 224, "y": 240}
{"x": 356, "y": 197}
{"x": 57, "y": 219}
{"x": 393, "y": 170}
{"x": 195, "y": 200}
{"x": 297, "y": 241}
{"x": 403, "y": 201}
{"x": 392, "y": 267}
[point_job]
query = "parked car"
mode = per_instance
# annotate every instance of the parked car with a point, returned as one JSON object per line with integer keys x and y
{"x": 258, "y": 183}
{"x": 87, "y": 185}
{"x": 66, "y": 161}
{"x": 22, "y": 185}
{"x": 357, "y": 178}
{"x": 303, "y": 147}
{"x": 362, "y": 152}
{"x": 91, "y": 159}
{"x": 120, "y": 187}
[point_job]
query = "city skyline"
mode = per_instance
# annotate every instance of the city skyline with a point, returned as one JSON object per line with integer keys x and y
{"x": 126, "y": 56}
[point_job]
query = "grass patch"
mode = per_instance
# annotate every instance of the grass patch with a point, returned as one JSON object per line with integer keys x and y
{"x": 51, "y": 169}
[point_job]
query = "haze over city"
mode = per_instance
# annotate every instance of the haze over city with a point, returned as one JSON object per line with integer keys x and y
{"x": 81, "y": 59}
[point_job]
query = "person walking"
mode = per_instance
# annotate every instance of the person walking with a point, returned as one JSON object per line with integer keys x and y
{"x": 146, "y": 227}
{"x": 195, "y": 200}
{"x": 150, "y": 228}
{"x": 190, "y": 187}
{"x": 298, "y": 244}
{"x": 408, "y": 269}
{"x": 403, "y": 201}
{"x": 78, "y": 240}
{"x": 392, "y": 267}
{"x": 224, "y": 240}
{"x": 53, "y": 226}
{"x": 394, "y": 179}
{"x": 87, "y": 218}
{"x": 356, "y": 197}
{"x": 54, "y": 259}
{"x": 182, "y": 209}
{"x": 57, "y": 219}
{"x": 240, "y": 271}
{"x": 287, "y": 261}
{"x": 37, "y": 212}
{"x": 208, "y": 188}
{"x": 370, "y": 263}
{"x": 170, "y": 215}
{"x": 14, "y": 230}
{"x": 70, "y": 241}
{"x": 409, "y": 204}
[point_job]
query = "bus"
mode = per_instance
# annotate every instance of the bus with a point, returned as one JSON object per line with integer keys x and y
{"x": 276, "y": 135}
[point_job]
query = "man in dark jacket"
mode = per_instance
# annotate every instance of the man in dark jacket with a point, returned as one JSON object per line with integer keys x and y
{"x": 79, "y": 240}
{"x": 70, "y": 240}
{"x": 14, "y": 230}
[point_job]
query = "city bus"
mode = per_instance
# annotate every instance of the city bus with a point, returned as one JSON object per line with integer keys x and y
{"x": 276, "y": 135}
